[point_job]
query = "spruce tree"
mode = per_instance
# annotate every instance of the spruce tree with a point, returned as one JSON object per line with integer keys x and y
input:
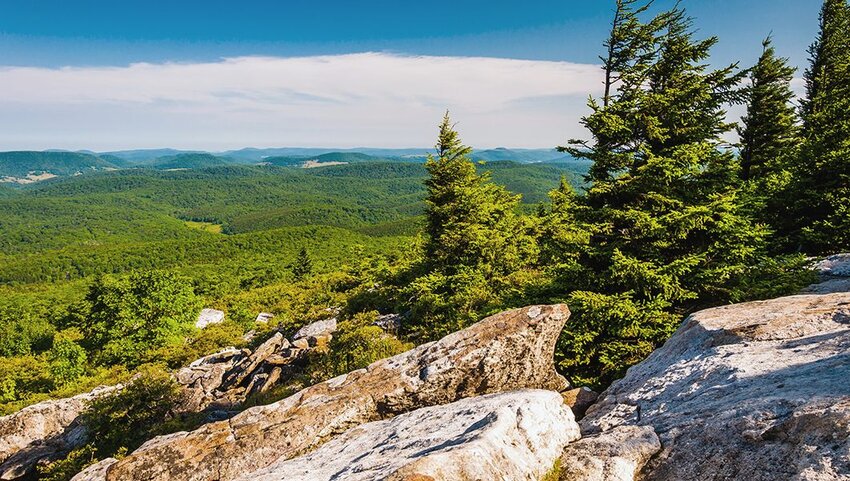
{"x": 470, "y": 221}
{"x": 668, "y": 233}
{"x": 303, "y": 265}
{"x": 820, "y": 215}
{"x": 769, "y": 134}
{"x": 475, "y": 241}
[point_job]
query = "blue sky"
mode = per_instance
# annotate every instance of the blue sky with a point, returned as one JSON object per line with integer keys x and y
{"x": 100, "y": 40}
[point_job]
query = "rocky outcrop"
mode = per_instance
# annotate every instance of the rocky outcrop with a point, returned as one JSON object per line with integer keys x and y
{"x": 323, "y": 328}
{"x": 617, "y": 455}
{"x": 509, "y": 351}
{"x": 42, "y": 432}
{"x": 215, "y": 383}
{"x": 755, "y": 391}
{"x": 224, "y": 380}
{"x": 516, "y": 435}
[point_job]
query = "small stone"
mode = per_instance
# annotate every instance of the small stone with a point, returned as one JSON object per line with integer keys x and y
{"x": 579, "y": 400}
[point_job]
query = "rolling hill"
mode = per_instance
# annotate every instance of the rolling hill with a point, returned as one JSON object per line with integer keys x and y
{"x": 189, "y": 161}
{"x": 20, "y": 164}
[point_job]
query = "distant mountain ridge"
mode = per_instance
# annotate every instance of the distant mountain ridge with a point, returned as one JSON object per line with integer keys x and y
{"x": 20, "y": 164}
{"x": 23, "y": 167}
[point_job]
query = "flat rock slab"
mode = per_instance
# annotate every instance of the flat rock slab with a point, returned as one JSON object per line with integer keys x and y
{"x": 755, "y": 391}
{"x": 509, "y": 351}
{"x": 516, "y": 435}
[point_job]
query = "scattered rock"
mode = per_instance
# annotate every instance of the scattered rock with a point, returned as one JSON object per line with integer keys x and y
{"x": 264, "y": 318}
{"x": 272, "y": 345}
{"x": 516, "y": 435}
{"x": 249, "y": 336}
{"x": 579, "y": 400}
{"x": 208, "y": 317}
{"x": 508, "y": 351}
{"x": 755, "y": 391}
{"x": 43, "y": 432}
{"x": 325, "y": 327}
{"x": 390, "y": 323}
{"x": 616, "y": 455}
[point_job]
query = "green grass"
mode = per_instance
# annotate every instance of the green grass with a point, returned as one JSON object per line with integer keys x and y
{"x": 204, "y": 226}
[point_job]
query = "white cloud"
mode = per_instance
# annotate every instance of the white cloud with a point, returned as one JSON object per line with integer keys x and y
{"x": 373, "y": 99}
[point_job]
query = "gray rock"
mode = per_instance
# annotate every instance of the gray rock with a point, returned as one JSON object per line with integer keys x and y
{"x": 615, "y": 455}
{"x": 516, "y": 435}
{"x": 43, "y": 432}
{"x": 508, "y": 351}
{"x": 837, "y": 265}
{"x": 390, "y": 323}
{"x": 325, "y": 327}
{"x": 756, "y": 391}
{"x": 264, "y": 318}
{"x": 96, "y": 471}
{"x": 834, "y": 273}
{"x": 208, "y": 317}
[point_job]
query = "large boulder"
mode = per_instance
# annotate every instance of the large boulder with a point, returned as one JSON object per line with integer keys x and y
{"x": 509, "y": 351}
{"x": 755, "y": 391}
{"x": 42, "y": 432}
{"x": 516, "y": 435}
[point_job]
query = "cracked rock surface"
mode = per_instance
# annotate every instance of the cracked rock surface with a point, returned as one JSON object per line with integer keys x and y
{"x": 509, "y": 351}
{"x": 755, "y": 391}
{"x": 516, "y": 435}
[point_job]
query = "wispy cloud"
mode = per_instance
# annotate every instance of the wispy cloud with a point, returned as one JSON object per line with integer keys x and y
{"x": 374, "y": 99}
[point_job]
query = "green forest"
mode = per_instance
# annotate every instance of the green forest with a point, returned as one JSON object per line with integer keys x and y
{"x": 660, "y": 215}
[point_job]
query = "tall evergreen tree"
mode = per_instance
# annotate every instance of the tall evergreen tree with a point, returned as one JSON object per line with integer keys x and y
{"x": 470, "y": 221}
{"x": 769, "y": 133}
{"x": 303, "y": 265}
{"x": 475, "y": 241}
{"x": 820, "y": 215}
{"x": 668, "y": 234}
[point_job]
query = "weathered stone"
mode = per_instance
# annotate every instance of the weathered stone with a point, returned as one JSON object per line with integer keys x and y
{"x": 208, "y": 317}
{"x": 43, "y": 432}
{"x": 390, "y": 323}
{"x": 755, "y": 391}
{"x": 301, "y": 343}
{"x": 516, "y": 435}
{"x": 319, "y": 328}
{"x": 224, "y": 355}
{"x": 264, "y": 318}
{"x": 579, "y": 399}
{"x": 256, "y": 384}
{"x": 96, "y": 471}
{"x": 266, "y": 349}
{"x": 508, "y": 351}
{"x": 834, "y": 273}
{"x": 274, "y": 377}
{"x": 837, "y": 265}
{"x": 615, "y": 455}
